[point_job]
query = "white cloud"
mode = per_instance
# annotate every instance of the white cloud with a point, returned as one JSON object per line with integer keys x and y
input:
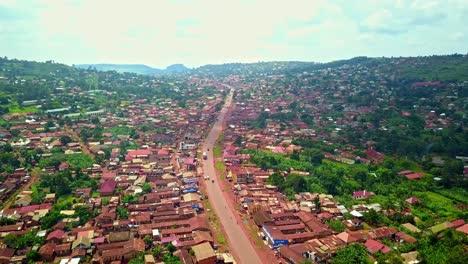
{"x": 163, "y": 32}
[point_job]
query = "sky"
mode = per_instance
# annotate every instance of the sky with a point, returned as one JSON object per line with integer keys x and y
{"x": 198, "y": 32}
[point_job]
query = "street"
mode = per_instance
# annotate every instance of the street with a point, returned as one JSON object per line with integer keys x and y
{"x": 238, "y": 241}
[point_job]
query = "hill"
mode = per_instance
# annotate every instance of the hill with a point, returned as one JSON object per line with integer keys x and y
{"x": 121, "y": 68}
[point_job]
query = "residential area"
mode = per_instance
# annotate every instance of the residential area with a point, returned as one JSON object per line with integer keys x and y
{"x": 327, "y": 166}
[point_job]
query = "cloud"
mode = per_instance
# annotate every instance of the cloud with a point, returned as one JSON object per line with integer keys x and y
{"x": 163, "y": 32}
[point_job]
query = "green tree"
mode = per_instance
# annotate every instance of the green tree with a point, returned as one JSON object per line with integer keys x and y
{"x": 65, "y": 140}
{"x": 336, "y": 225}
{"x": 33, "y": 256}
{"x": 157, "y": 251}
{"x": 353, "y": 254}
{"x": 276, "y": 179}
{"x": 122, "y": 212}
{"x": 146, "y": 187}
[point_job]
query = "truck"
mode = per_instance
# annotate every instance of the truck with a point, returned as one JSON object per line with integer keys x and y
{"x": 205, "y": 156}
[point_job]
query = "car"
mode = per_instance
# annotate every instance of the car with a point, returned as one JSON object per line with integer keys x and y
{"x": 212, "y": 181}
{"x": 207, "y": 177}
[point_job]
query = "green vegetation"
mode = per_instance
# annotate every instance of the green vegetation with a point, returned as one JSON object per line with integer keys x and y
{"x": 342, "y": 180}
{"x": 221, "y": 168}
{"x": 336, "y": 225}
{"x": 353, "y": 254}
{"x": 122, "y": 212}
{"x": 76, "y": 161}
{"x": 28, "y": 239}
{"x": 217, "y": 151}
{"x": 63, "y": 183}
{"x": 446, "y": 247}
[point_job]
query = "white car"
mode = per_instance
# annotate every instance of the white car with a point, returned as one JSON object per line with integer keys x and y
{"x": 207, "y": 177}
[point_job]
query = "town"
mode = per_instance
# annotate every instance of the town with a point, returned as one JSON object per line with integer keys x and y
{"x": 346, "y": 163}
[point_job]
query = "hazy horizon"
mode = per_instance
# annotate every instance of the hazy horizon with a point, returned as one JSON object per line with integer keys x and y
{"x": 195, "y": 33}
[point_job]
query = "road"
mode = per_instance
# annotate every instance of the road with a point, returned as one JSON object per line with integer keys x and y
{"x": 239, "y": 243}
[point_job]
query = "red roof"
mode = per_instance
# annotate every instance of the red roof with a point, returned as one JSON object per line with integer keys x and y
{"x": 405, "y": 172}
{"x": 63, "y": 165}
{"x": 347, "y": 237}
{"x": 374, "y": 246}
{"x": 163, "y": 152}
{"x": 109, "y": 175}
{"x": 139, "y": 152}
{"x": 412, "y": 200}
{"x": 325, "y": 215}
{"x": 463, "y": 228}
{"x": 58, "y": 234}
{"x": 414, "y": 176}
{"x": 189, "y": 161}
{"x": 363, "y": 193}
{"x": 458, "y": 223}
{"x": 108, "y": 186}
{"x": 32, "y": 208}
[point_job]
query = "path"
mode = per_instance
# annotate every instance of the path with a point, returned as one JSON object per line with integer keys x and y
{"x": 239, "y": 242}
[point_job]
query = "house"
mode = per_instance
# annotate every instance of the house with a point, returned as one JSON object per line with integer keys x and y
{"x": 411, "y": 227}
{"x": 440, "y": 227}
{"x": 122, "y": 250}
{"x": 463, "y": 229}
{"x": 55, "y": 236}
{"x": 23, "y": 200}
{"x": 6, "y": 254}
{"x": 403, "y": 237}
{"x": 347, "y": 237}
{"x": 374, "y": 246}
{"x": 414, "y": 176}
{"x": 290, "y": 255}
{"x": 84, "y": 193}
{"x": 410, "y": 257}
{"x": 413, "y": 200}
{"x": 362, "y": 195}
{"x": 374, "y": 156}
{"x": 204, "y": 253}
{"x": 149, "y": 259}
{"x": 63, "y": 250}
{"x": 70, "y": 261}
{"x": 107, "y": 188}
{"x": 47, "y": 251}
{"x": 49, "y": 198}
{"x": 63, "y": 166}
{"x": 81, "y": 243}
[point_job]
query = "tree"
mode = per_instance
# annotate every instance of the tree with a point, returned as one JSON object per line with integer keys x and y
{"x": 353, "y": 254}
{"x": 238, "y": 141}
{"x": 148, "y": 241}
{"x": 157, "y": 251}
{"x": 276, "y": 179}
{"x": 146, "y": 187}
{"x": 171, "y": 248}
{"x": 33, "y": 256}
{"x": 317, "y": 203}
{"x": 122, "y": 212}
{"x": 65, "y": 140}
{"x": 336, "y": 225}
{"x": 373, "y": 217}
{"x": 295, "y": 155}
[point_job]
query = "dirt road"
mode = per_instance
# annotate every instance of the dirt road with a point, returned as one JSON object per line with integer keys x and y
{"x": 239, "y": 243}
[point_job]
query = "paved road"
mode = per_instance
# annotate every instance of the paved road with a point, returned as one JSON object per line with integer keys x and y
{"x": 239, "y": 243}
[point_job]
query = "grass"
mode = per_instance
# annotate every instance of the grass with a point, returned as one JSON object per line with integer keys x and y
{"x": 15, "y": 108}
{"x": 217, "y": 151}
{"x": 214, "y": 222}
{"x": 252, "y": 230}
{"x": 458, "y": 194}
{"x": 221, "y": 168}
{"x": 221, "y": 239}
{"x": 436, "y": 208}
